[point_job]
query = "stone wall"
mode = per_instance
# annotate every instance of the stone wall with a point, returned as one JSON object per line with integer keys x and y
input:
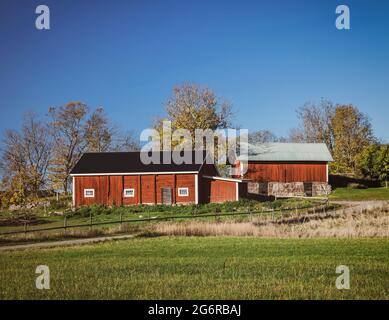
{"x": 320, "y": 189}
{"x": 289, "y": 189}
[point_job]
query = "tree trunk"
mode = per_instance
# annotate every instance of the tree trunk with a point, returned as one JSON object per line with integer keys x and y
{"x": 65, "y": 186}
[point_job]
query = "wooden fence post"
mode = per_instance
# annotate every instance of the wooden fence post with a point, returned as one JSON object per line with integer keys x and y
{"x": 65, "y": 222}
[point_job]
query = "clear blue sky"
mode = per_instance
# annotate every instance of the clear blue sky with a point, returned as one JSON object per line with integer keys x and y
{"x": 266, "y": 57}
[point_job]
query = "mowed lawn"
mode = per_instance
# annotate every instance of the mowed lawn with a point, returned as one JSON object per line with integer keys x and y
{"x": 360, "y": 194}
{"x": 201, "y": 268}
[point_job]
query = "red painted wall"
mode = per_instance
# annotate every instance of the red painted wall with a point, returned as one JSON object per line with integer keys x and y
{"x": 286, "y": 171}
{"x": 218, "y": 190}
{"x": 148, "y": 189}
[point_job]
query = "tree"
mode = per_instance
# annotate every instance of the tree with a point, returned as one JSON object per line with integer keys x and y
{"x": 193, "y": 107}
{"x": 25, "y": 158}
{"x": 315, "y": 124}
{"x": 98, "y": 132}
{"x": 102, "y": 136}
{"x": 262, "y": 136}
{"x": 124, "y": 142}
{"x": 367, "y": 161}
{"x": 352, "y": 132}
{"x": 383, "y": 164}
{"x": 67, "y": 125}
{"x": 374, "y": 162}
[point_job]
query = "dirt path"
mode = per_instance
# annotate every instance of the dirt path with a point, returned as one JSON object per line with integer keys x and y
{"x": 360, "y": 205}
{"x": 50, "y": 244}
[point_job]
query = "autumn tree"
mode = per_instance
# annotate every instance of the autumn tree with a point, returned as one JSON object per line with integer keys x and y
{"x": 193, "y": 107}
{"x": 25, "y": 158}
{"x": 67, "y": 127}
{"x": 352, "y": 132}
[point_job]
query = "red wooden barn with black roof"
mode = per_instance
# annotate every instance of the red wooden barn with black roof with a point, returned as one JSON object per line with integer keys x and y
{"x": 121, "y": 178}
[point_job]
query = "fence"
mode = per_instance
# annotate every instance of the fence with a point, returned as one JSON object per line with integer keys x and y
{"x": 149, "y": 219}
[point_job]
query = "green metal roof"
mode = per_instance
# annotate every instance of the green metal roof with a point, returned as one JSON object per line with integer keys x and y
{"x": 288, "y": 152}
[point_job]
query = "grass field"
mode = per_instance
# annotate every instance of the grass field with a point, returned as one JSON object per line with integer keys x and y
{"x": 201, "y": 268}
{"x": 360, "y": 194}
{"x": 11, "y": 222}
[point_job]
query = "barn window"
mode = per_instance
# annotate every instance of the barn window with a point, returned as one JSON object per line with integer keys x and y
{"x": 183, "y": 192}
{"x": 89, "y": 193}
{"x": 129, "y": 193}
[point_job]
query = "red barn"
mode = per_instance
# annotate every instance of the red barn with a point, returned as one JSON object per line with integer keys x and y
{"x": 286, "y": 169}
{"x": 121, "y": 178}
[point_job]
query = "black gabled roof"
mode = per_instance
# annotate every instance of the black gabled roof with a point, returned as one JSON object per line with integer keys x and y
{"x": 130, "y": 162}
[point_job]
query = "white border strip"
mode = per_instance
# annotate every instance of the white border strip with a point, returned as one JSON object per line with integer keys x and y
{"x": 130, "y": 173}
{"x": 327, "y": 172}
{"x": 222, "y": 178}
{"x": 196, "y": 189}
{"x": 74, "y": 191}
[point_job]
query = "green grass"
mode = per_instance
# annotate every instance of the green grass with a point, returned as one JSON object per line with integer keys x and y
{"x": 360, "y": 194}
{"x": 201, "y": 268}
{"x": 101, "y": 213}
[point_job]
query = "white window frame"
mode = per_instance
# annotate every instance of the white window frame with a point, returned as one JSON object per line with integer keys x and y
{"x": 129, "y": 196}
{"x": 89, "y": 196}
{"x": 183, "y": 195}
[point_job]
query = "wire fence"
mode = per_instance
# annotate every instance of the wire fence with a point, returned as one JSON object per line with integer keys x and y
{"x": 65, "y": 226}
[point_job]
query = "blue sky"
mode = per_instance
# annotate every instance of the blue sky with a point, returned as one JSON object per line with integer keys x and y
{"x": 266, "y": 57}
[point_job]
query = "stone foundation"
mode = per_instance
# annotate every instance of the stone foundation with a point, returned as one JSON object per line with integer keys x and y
{"x": 289, "y": 189}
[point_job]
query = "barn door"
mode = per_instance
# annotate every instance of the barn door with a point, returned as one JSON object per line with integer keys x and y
{"x": 115, "y": 191}
{"x": 166, "y": 195}
{"x": 308, "y": 189}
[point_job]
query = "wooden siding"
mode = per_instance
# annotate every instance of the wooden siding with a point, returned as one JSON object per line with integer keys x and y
{"x": 218, "y": 190}
{"x": 182, "y": 181}
{"x": 131, "y": 182}
{"x": 109, "y": 190}
{"x": 286, "y": 172}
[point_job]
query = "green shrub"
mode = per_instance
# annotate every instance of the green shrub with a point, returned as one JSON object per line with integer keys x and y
{"x": 59, "y": 204}
{"x": 355, "y": 185}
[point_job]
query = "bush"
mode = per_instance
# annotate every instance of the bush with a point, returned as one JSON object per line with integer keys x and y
{"x": 59, "y": 204}
{"x": 355, "y": 185}
{"x": 243, "y": 205}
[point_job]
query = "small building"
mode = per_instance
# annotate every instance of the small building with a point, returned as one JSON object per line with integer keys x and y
{"x": 121, "y": 178}
{"x": 285, "y": 169}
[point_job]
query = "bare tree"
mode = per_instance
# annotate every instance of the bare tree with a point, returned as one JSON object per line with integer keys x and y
{"x": 98, "y": 132}
{"x": 262, "y": 136}
{"x": 315, "y": 124}
{"x": 296, "y": 135}
{"x": 124, "y": 142}
{"x": 67, "y": 125}
{"x": 26, "y": 156}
